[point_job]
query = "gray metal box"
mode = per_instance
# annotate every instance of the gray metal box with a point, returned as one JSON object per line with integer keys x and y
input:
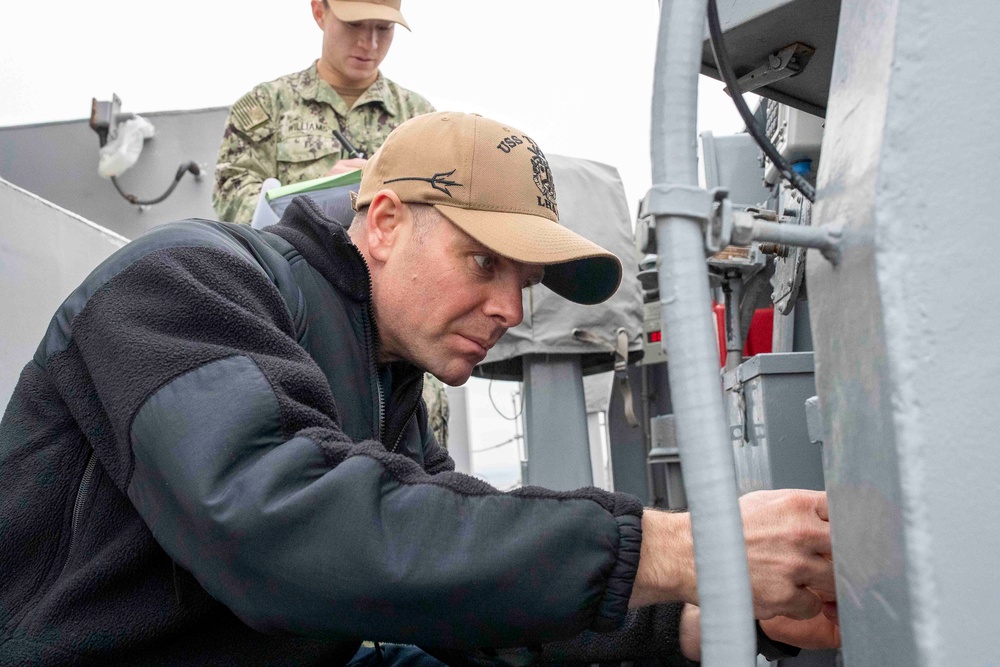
{"x": 765, "y": 399}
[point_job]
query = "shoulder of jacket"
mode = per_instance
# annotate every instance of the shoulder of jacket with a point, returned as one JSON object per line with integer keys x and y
{"x": 415, "y": 101}
{"x": 248, "y": 112}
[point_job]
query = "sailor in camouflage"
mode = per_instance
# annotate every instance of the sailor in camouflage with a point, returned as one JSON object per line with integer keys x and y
{"x": 284, "y": 128}
{"x": 437, "y": 408}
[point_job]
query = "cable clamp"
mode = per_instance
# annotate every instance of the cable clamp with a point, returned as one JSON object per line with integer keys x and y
{"x": 711, "y": 208}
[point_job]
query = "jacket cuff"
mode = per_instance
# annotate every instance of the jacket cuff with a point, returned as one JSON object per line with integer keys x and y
{"x": 614, "y": 606}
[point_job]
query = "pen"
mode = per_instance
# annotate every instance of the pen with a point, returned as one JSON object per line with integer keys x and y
{"x": 348, "y": 146}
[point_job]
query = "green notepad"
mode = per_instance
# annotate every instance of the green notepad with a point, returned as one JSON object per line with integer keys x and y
{"x": 349, "y": 178}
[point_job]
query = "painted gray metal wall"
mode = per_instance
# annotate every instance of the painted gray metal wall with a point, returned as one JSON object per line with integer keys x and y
{"x": 45, "y": 252}
{"x": 58, "y": 162}
{"x": 905, "y": 331}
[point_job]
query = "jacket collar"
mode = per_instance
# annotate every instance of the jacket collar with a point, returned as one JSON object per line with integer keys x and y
{"x": 316, "y": 89}
{"x": 325, "y": 244}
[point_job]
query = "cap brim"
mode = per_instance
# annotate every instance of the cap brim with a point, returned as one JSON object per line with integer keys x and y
{"x": 349, "y": 12}
{"x": 575, "y": 268}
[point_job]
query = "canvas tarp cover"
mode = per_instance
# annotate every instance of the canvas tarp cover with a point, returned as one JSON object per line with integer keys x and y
{"x": 592, "y": 203}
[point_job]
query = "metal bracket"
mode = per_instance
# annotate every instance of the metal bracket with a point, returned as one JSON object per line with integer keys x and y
{"x": 724, "y": 226}
{"x": 779, "y": 65}
{"x": 711, "y": 208}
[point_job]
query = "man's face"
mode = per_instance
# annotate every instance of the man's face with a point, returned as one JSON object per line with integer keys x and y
{"x": 352, "y": 52}
{"x": 443, "y": 300}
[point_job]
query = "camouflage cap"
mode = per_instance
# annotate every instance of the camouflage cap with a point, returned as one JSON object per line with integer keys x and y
{"x": 494, "y": 183}
{"x": 349, "y": 11}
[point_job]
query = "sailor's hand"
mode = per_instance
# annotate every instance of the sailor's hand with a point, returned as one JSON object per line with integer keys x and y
{"x": 344, "y": 166}
{"x": 820, "y": 631}
{"x": 788, "y": 547}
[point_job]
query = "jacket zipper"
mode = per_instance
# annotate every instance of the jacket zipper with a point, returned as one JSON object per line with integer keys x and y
{"x": 401, "y": 432}
{"x": 407, "y": 422}
{"x": 81, "y": 496}
{"x": 381, "y": 403}
{"x": 373, "y": 345}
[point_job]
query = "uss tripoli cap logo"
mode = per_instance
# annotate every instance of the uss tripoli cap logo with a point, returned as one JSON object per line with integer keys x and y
{"x": 494, "y": 183}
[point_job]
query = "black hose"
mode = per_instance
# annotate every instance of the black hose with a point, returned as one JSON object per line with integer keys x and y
{"x": 725, "y": 66}
{"x": 181, "y": 170}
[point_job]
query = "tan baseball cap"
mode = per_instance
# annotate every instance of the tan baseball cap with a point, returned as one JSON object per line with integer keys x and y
{"x": 349, "y": 11}
{"x": 494, "y": 183}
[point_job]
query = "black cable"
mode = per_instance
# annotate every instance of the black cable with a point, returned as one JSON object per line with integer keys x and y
{"x": 725, "y": 66}
{"x": 181, "y": 170}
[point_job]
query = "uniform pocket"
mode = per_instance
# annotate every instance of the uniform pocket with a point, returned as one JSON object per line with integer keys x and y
{"x": 306, "y": 156}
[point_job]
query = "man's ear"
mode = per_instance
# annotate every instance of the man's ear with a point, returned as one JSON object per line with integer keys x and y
{"x": 388, "y": 221}
{"x": 318, "y": 11}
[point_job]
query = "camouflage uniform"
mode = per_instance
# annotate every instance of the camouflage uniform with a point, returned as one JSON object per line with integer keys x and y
{"x": 437, "y": 408}
{"x": 284, "y": 129}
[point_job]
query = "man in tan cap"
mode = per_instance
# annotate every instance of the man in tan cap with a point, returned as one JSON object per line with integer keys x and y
{"x": 284, "y": 128}
{"x": 220, "y": 455}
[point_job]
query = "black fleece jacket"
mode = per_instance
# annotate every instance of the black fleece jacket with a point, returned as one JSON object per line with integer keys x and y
{"x": 199, "y": 466}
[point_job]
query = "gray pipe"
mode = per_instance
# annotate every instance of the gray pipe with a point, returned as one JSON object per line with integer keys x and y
{"x": 727, "y": 626}
{"x": 825, "y": 238}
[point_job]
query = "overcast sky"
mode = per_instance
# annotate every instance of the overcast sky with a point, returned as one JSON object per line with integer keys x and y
{"x": 576, "y": 76}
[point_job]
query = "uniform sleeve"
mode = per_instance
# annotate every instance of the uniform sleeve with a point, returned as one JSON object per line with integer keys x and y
{"x": 244, "y": 477}
{"x": 247, "y": 156}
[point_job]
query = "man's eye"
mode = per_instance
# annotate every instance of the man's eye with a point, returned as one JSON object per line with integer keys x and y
{"x": 485, "y": 262}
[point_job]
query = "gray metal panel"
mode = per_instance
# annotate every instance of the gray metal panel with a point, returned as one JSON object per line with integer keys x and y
{"x": 629, "y": 444}
{"x": 771, "y": 364}
{"x": 733, "y": 163}
{"x": 766, "y": 397}
{"x": 45, "y": 252}
{"x": 905, "y": 332}
{"x": 58, "y": 162}
{"x": 756, "y": 28}
{"x": 555, "y": 422}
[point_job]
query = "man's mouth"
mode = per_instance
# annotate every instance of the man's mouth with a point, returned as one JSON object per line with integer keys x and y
{"x": 484, "y": 343}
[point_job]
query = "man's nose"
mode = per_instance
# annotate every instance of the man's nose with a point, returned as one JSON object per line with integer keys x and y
{"x": 369, "y": 38}
{"x": 505, "y": 304}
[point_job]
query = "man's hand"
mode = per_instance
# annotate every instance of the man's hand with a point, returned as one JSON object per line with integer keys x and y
{"x": 820, "y": 631}
{"x": 344, "y": 166}
{"x": 788, "y": 546}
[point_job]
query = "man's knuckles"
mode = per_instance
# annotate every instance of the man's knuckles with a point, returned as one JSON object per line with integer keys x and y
{"x": 792, "y": 601}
